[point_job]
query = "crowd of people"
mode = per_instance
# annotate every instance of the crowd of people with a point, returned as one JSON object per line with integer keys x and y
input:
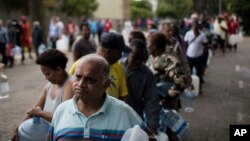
{"x": 117, "y": 82}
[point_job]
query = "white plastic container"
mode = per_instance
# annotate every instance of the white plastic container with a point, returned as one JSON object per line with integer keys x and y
{"x": 161, "y": 136}
{"x": 62, "y": 44}
{"x": 135, "y": 134}
{"x": 196, "y": 83}
{"x": 4, "y": 84}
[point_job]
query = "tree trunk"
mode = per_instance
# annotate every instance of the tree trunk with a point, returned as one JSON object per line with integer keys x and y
{"x": 37, "y": 11}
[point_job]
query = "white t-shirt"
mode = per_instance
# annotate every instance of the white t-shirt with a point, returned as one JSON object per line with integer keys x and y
{"x": 195, "y": 48}
{"x": 61, "y": 27}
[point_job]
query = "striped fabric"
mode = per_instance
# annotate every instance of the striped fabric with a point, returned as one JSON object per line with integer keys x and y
{"x": 108, "y": 124}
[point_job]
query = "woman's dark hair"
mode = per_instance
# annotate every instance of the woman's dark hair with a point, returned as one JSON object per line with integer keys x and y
{"x": 159, "y": 40}
{"x": 137, "y": 35}
{"x": 53, "y": 59}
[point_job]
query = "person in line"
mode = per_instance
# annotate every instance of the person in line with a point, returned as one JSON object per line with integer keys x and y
{"x": 111, "y": 47}
{"x": 17, "y": 32}
{"x": 135, "y": 35}
{"x": 180, "y": 50}
{"x": 93, "y": 26}
{"x": 37, "y": 37}
{"x": 143, "y": 95}
{"x": 12, "y": 37}
{"x": 168, "y": 72}
{"x": 25, "y": 37}
{"x": 92, "y": 114}
{"x": 221, "y": 29}
{"x": 234, "y": 29}
{"x": 54, "y": 32}
{"x": 196, "y": 41}
{"x": 107, "y": 26}
{"x": 166, "y": 68}
{"x": 71, "y": 30}
{"x": 83, "y": 45}
{"x": 99, "y": 29}
{"x": 3, "y": 42}
{"x": 57, "y": 90}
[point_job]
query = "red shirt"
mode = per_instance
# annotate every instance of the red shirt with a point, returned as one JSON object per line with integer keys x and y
{"x": 107, "y": 26}
{"x": 26, "y": 36}
{"x": 234, "y": 25}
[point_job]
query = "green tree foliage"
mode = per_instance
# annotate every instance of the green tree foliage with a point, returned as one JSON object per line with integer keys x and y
{"x": 51, "y": 5}
{"x": 15, "y": 5}
{"x": 174, "y": 8}
{"x": 165, "y": 9}
{"x": 78, "y": 7}
{"x": 210, "y": 7}
{"x": 141, "y": 9}
{"x": 37, "y": 11}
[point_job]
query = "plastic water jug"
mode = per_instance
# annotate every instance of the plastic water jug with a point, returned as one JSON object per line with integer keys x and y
{"x": 196, "y": 83}
{"x": 161, "y": 136}
{"x": 189, "y": 97}
{"x": 33, "y": 129}
{"x": 174, "y": 121}
{"x": 4, "y": 85}
{"x": 135, "y": 134}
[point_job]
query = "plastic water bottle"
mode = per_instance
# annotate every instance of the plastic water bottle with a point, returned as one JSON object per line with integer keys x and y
{"x": 189, "y": 96}
{"x": 174, "y": 121}
{"x": 4, "y": 85}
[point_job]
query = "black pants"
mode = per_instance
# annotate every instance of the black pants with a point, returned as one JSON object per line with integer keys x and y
{"x": 53, "y": 41}
{"x": 222, "y": 45}
{"x": 10, "y": 60}
{"x": 3, "y": 52}
{"x": 71, "y": 41}
{"x": 36, "y": 50}
{"x": 204, "y": 61}
{"x": 99, "y": 34}
{"x": 196, "y": 63}
{"x": 232, "y": 46}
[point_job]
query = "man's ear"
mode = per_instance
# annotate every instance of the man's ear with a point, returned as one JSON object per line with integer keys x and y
{"x": 107, "y": 83}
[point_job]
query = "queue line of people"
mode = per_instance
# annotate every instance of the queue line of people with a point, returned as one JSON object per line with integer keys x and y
{"x": 16, "y": 37}
{"x": 163, "y": 67}
{"x": 149, "y": 75}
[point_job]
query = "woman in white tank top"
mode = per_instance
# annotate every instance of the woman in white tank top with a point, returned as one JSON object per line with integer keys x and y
{"x": 57, "y": 90}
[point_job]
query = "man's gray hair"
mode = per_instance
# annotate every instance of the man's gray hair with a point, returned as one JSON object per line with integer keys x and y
{"x": 100, "y": 61}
